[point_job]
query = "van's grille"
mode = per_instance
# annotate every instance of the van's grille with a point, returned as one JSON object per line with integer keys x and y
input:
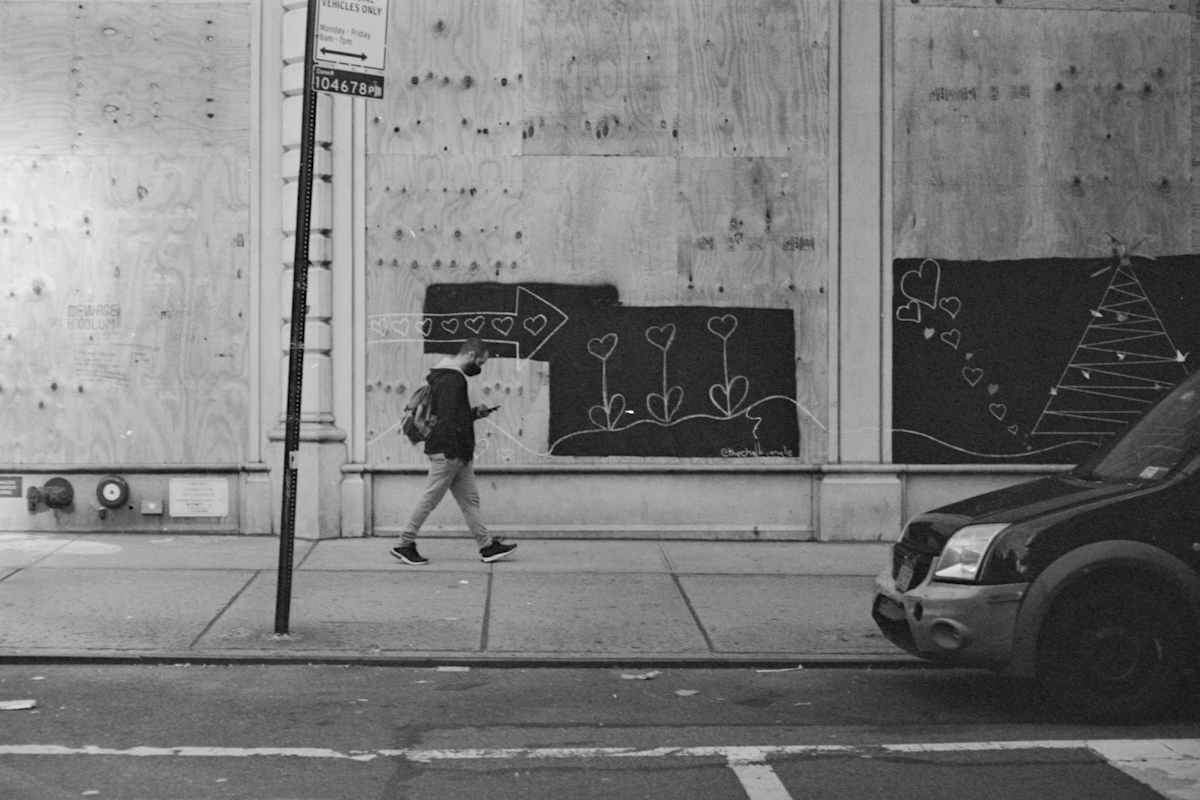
{"x": 921, "y": 535}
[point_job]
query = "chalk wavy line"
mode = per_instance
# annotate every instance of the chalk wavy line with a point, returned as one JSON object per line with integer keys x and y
{"x": 660, "y": 423}
{"x": 1026, "y": 454}
{"x": 799, "y": 405}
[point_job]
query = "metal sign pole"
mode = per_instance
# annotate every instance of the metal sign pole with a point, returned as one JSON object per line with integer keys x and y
{"x": 300, "y": 265}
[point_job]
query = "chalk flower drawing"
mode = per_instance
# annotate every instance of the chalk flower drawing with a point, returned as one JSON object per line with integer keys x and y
{"x": 606, "y": 415}
{"x": 730, "y": 395}
{"x": 663, "y": 406}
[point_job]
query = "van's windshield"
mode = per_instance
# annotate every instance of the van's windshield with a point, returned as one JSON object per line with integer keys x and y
{"x": 1154, "y": 445}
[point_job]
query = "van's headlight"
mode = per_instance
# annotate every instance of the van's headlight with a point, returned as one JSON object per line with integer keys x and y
{"x": 963, "y": 554}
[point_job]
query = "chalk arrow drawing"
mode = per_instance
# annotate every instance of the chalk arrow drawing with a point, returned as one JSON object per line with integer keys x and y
{"x": 530, "y": 324}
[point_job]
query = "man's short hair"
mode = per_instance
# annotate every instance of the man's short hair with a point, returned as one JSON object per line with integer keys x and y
{"x": 473, "y": 345}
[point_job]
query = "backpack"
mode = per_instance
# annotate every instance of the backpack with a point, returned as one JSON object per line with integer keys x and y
{"x": 418, "y": 420}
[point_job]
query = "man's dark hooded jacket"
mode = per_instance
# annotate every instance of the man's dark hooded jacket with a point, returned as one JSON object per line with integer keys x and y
{"x": 454, "y": 433}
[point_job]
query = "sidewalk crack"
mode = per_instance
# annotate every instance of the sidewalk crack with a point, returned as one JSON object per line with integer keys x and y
{"x": 487, "y": 613}
{"x": 687, "y": 601}
{"x": 225, "y": 608}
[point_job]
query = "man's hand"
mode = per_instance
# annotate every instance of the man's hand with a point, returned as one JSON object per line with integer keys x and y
{"x": 483, "y": 411}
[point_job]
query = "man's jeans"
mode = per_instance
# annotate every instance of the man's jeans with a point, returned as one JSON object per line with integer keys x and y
{"x": 459, "y": 477}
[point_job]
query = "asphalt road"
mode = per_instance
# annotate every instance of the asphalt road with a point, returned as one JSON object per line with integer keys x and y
{"x": 318, "y": 732}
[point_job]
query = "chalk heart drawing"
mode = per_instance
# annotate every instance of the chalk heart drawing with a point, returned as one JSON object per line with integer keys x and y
{"x": 662, "y": 407}
{"x": 450, "y": 325}
{"x": 534, "y": 324}
{"x": 929, "y": 332}
{"x": 951, "y": 305}
{"x": 993, "y": 388}
{"x": 661, "y": 336}
{"x": 923, "y": 283}
{"x": 723, "y": 326}
{"x": 606, "y": 417}
{"x": 1013, "y": 429}
{"x": 426, "y": 326}
{"x": 503, "y": 325}
{"x": 998, "y": 410}
{"x": 400, "y": 326}
{"x": 602, "y": 348}
{"x": 909, "y": 312}
{"x": 379, "y": 327}
{"x": 971, "y": 375}
{"x": 729, "y": 398}
{"x": 952, "y": 338}
{"x": 505, "y": 453}
{"x": 474, "y": 324}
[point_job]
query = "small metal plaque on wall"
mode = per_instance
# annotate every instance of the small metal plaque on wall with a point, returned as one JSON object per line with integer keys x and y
{"x": 199, "y": 497}
{"x": 10, "y": 486}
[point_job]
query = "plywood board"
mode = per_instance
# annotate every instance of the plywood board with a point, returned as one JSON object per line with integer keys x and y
{"x": 753, "y": 77}
{"x": 125, "y": 300}
{"x": 446, "y": 218}
{"x": 600, "y": 78}
{"x": 1027, "y": 133}
{"x": 454, "y": 80}
{"x": 124, "y": 78}
{"x": 749, "y": 229}
{"x": 602, "y": 221}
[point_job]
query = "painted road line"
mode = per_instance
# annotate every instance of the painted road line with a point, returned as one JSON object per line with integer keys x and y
{"x": 745, "y": 754}
{"x": 1169, "y": 766}
{"x": 181, "y": 752}
{"x": 758, "y": 779}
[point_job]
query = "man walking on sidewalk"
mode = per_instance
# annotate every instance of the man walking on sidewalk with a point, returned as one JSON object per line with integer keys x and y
{"x": 451, "y": 451}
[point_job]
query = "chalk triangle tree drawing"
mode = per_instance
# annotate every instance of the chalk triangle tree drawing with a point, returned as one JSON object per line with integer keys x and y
{"x": 1124, "y": 361}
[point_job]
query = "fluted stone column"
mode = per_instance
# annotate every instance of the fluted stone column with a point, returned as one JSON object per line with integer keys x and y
{"x": 322, "y": 443}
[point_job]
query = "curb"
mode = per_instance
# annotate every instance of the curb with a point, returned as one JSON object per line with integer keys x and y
{"x": 514, "y": 661}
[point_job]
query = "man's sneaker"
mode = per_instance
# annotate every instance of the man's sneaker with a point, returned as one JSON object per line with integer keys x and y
{"x": 409, "y": 555}
{"x": 496, "y": 551}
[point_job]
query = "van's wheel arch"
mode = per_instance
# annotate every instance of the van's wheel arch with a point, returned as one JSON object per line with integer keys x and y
{"x": 1112, "y": 650}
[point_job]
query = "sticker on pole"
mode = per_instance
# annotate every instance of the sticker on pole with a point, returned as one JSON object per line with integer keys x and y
{"x": 344, "y": 81}
{"x": 352, "y": 33}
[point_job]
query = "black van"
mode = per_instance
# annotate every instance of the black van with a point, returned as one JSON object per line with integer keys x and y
{"x": 1088, "y": 581}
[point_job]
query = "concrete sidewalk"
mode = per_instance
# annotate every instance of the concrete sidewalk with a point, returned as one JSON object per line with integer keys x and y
{"x": 213, "y": 598}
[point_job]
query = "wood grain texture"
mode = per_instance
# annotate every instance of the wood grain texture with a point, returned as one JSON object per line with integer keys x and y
{"x": 754, "y": 78}
{"x": 124, "y": 78}
{"x": 600, "y": 78}
{"x": 602, "y": 221}
{"x": 126, "y": 309}
{"x": 1030, "y": 133}
{"x": 454, "y": 80}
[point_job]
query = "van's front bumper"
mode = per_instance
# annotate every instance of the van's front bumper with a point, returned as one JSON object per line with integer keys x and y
{"x": 958, "y": 623}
